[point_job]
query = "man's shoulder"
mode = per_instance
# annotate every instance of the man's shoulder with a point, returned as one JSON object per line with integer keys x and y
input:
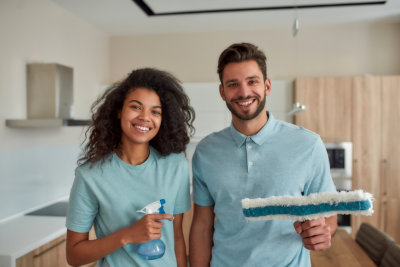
{"x": 215, "y": 138}
{"x": 295, "y": 131}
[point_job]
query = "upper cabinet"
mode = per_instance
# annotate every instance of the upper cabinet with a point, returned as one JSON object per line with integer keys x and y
{"x": 366, "y": 140}
{"x": 328, "y": 101}
{"x": 364, "y": 110}
{"x": 390, "y": 155}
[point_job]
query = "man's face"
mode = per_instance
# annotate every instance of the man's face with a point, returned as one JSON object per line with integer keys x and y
{"x": 244, "y": 89}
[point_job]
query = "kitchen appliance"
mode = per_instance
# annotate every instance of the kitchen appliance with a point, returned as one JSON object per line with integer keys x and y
{"x": 340, "y": 160}
{"x": 49, "y": 91}
{"x": 49, "y": 97}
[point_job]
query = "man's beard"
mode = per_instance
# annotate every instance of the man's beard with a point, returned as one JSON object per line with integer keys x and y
{"x": 247, "y": 117}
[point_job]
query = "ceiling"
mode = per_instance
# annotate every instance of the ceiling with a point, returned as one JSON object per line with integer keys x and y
{"x": 127, "y": 17}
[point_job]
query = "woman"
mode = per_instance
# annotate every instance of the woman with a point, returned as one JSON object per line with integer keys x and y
{"x": 133, "y": 157}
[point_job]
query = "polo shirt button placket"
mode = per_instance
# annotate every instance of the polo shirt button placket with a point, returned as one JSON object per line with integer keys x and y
{"x": 249, "y": 146}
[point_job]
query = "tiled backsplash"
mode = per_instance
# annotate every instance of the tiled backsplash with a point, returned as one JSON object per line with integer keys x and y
{"x": 34, "y": 177}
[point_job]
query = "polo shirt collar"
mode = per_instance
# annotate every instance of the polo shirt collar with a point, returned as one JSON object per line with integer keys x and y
{"x": 260, "y": 137}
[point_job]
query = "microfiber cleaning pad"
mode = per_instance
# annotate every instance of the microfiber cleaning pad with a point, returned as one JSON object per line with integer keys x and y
{"x": 313, "y": 206}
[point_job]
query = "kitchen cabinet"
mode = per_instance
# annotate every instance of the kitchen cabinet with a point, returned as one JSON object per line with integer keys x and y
{"x": 49, "y": 255}
{"x": 328, "y": 101}
{"x": 390, "y": 159}
{"x": 365, "y": 111}
{"x": 366, "y": 144}
{"x": 186, "y": 224}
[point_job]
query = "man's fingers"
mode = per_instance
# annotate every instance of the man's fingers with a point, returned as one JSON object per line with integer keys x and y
{"x": 312, "y": 223}
{"x": 297, "y": 227}
{"x": 321, "y": 230}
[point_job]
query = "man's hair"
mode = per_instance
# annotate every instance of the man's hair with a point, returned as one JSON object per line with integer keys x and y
{"x": 104, "y": 134}
{"x": 242, "y": 52}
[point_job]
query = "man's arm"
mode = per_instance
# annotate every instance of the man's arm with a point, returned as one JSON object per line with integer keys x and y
{"x": 201, "y": 236}
{"x": 316, "y": 234}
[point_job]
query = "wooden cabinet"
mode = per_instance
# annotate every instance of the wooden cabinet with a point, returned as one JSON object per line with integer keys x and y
{"x": 186, "y": 224}
{"x": 366, "y": 143}
{"x": 328, "y": 101}
{"x": 390, "y": 156}
{"x": 49, "y": 255}
{"x": 366, "y": 111}
{"x": 52, "y": 254}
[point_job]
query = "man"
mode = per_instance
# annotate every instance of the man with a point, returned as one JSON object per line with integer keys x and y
{"x": 257, "y": 156}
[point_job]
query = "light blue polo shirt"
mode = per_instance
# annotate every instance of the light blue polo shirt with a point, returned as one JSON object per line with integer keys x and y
{"x": 281, "y": 159}
{"x": 110, "y": 194}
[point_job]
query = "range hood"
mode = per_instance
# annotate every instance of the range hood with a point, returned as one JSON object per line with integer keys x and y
{"x": 49, "y": 97}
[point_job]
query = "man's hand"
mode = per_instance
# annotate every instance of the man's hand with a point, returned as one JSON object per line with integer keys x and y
{"x": 316, "y": 234}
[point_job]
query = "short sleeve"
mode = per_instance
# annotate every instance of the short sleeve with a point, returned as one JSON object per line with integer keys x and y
{"x": 201, "y": 194}
{"x": 83, "y": 205}
{"x": 182, "y": 201}
{"x": 320, "y": 177}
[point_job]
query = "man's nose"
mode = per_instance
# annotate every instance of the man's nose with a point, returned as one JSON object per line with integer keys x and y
{"x": 243, "y": 90}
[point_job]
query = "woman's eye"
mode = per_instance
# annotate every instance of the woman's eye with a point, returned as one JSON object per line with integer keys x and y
{"x": 135, "y": 107}
{"x": 156, "y": 112}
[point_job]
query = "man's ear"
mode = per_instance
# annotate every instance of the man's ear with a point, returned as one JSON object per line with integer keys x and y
{"x": 267, "y": 86}
{"x": 221, "y": 92}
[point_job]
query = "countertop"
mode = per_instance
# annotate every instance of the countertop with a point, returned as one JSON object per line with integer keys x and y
{"x": 23, "y": 234}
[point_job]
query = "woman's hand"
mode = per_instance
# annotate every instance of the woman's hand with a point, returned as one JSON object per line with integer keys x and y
{"x": 147, "y": 228}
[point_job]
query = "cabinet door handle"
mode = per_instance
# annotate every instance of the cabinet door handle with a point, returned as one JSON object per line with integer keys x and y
{"x": 48, "y": 249}
{"x": 355, "y": 174}
{"x": 384, "y": 165}
{"x": 383, "y": 191}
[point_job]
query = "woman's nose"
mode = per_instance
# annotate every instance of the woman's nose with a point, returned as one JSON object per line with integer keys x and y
{"x": 144, "y": 115}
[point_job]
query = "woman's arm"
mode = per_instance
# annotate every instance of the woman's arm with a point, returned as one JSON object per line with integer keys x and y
{"x": 180, "y": 248}
{"x": 81, "y": 250}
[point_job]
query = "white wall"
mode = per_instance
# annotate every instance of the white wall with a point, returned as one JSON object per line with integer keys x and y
{"x": 318, "y": 51}
{"x": 40, "y": 31}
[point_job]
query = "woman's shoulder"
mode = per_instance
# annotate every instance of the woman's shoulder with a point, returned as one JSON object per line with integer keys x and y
{"x": 89, "y": 169}
{"x": 172, "y": 158}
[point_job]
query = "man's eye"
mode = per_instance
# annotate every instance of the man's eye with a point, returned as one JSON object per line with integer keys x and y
{"x": 252, "y": 82}
{"x": 232, "y": 85}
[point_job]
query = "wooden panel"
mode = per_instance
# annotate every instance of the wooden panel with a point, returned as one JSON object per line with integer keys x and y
{"x": 329, "y": 106}
{"x": 344, "y": 251}
{"x": 366, "y": 143}
{"x": 391, "y": 154}
{"x": 307, "y": 92}
{"x": 187, "y": 222}
{"x": 49, "y": 255}
{"x": 337, "y": 112}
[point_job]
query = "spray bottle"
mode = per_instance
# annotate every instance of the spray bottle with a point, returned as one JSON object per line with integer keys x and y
{"x": 153, "y": 249}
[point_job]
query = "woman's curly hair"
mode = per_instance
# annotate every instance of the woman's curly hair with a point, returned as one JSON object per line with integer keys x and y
{"x": 104, "y": 134}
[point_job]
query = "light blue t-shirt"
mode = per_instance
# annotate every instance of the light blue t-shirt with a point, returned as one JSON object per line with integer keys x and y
{"x": 281, "y": 159}
{"x": 108, "y": 195}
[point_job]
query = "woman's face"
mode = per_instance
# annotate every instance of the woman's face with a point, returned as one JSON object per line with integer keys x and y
{"x": 140, "y": 116}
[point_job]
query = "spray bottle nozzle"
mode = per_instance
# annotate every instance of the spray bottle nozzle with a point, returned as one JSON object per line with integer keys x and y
{"x": 154, "y": 207}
